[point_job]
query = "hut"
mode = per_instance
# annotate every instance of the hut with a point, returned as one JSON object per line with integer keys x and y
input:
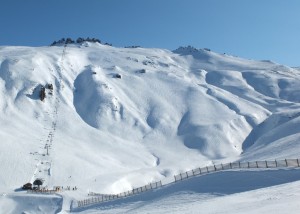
{"x": 27, "y": 186}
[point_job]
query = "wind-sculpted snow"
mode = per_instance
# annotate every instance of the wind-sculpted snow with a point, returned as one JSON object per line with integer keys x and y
{"x": 127, "y": 116}
{"x": 274, "y": 84}
{"x": 86, "y": 93}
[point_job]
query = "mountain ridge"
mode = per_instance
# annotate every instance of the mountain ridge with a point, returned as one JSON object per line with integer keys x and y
{"x": 169, "y": 110}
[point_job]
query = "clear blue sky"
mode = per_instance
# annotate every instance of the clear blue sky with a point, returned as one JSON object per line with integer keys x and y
{"x": 255, "y": 29}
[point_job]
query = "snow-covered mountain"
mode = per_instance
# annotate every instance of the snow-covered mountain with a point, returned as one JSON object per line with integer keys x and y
{"x": 123, "y": 117}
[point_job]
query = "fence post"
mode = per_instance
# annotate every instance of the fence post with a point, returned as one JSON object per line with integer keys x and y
{"x": 276, "y": 163}
{"x": 286, "y": 162}
{"x": 256, "y": 164}
{"x": 267, "y": 164}
{"x": 298, "y": 162}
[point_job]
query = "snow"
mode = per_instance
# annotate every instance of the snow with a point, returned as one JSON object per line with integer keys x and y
{"x": 23, "y": 203}
{"x": 168, "y": 113}
{"x": 224, "y": 192}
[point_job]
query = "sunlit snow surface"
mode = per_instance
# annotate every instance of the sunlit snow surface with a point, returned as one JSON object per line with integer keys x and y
{"x": 169, "y": 112}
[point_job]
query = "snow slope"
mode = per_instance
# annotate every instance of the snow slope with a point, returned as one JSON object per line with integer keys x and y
{"x": 169, "y": 112}
{"x": 226, "y": 192}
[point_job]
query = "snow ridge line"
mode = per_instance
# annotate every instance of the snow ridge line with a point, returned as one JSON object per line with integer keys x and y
{"x": 78, "y": 205}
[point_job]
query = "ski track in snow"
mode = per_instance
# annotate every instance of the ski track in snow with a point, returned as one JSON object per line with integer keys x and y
{"x": 43, "y": 166}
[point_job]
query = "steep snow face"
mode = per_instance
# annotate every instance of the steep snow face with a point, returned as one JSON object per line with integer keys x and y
{"x": 118, "y": 117}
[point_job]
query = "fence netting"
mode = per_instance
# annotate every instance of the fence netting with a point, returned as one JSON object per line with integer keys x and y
{"x": 238, "y": 165}
{"x": 99, "y": 198}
